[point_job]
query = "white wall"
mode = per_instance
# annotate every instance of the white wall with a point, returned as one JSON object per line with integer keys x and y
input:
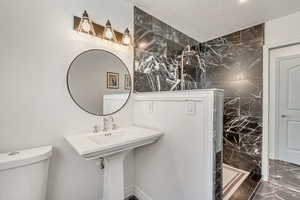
{"x": 279, "y": 32}
{"x": 37, "y": 44}
{"x": 180, "y": 165}
{"x": 283, "y": 29}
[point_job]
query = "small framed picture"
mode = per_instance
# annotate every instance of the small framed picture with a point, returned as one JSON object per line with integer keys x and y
{"x": 127, "y": 84}
{"x": 112, "y": 80}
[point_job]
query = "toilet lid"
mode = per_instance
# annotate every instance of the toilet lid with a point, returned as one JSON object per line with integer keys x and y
{"x": 24, "y": 157}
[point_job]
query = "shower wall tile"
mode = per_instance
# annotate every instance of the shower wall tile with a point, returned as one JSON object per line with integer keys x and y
{"x": 231, "y": 140}
{"x": 251, "y": 106}
{"x": 243, "y": 88}
{"x": 234, "y": 38}
{"x": 232, "y": 124}
{"x": 232, "y": 106}
{"x": 219, "y": 176}
{"x": 141, "y": 82}
{"x": 154, "y": 72}
{"x": 244, "y": 133}
{"x": 229, "y": 58}
{"x": 234, "y": 63}
{"x": 174, "y": 49}
{"x": 158, "y": 47}
{"x": 249, "y": 125}
{"x": 142, "y": 19}
{"x": 150, "y": 42}
{"x": 255, "y": 33}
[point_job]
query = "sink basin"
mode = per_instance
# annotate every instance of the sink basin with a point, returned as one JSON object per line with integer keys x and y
{"x": 102, "y": 144}
{"x": 110, "y": 138}
{"x": 113, "y": 146}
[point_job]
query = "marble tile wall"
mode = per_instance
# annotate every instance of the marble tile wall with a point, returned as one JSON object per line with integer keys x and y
{"x": 158, "y": 47}
{"x": 218, "y": 176}
{"x": 234, "y": 63}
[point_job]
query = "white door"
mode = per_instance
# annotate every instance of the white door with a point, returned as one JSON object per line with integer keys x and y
{"x": 288, "y": 112}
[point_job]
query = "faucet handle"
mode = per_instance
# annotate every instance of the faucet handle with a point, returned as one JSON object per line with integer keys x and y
{"x": 109, "y": 123}
{"x": 105, "y": 126}
{"x": 95, "y": 129}
{"x": 114, "y": 126}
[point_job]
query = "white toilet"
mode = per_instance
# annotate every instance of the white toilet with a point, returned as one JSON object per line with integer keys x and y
{"x": 23, "y": 174}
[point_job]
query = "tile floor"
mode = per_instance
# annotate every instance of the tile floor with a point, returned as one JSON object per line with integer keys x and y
{"x": 284, "y": 183}
{"x": 244, "y": 162}
{"x": 271, "y": 191}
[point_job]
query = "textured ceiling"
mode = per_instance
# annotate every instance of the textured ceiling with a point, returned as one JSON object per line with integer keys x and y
{"x": 207, "y": 19}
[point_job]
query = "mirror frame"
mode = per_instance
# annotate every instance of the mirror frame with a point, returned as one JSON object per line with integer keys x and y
{"x": 69, "y": 91}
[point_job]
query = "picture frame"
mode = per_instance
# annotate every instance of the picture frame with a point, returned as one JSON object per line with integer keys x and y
{"x": 112, "y": 80}
{"x": 127, "y": 82}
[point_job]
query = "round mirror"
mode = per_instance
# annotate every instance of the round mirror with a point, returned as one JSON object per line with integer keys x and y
{"x": 99, "y": 82}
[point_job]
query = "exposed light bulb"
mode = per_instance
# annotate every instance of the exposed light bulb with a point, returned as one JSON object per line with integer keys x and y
{"x": 109, "y": 32}
{"x": 86, "y": 26}
{"x": 126, "y": 40}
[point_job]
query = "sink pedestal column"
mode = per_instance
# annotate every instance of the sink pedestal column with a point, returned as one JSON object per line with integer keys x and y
{"x": 114, "y": 176}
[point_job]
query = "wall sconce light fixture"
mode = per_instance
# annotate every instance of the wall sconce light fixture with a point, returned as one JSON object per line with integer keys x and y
{"x": 85, "y": 25}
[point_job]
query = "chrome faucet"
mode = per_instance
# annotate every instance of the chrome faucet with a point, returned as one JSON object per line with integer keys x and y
{"x": 105, "y": 124}
{"x": 109, "y": 124}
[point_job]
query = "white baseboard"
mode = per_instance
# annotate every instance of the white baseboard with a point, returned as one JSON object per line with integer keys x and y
{"x": 129, "y": 191}
{"x": 140, "y": 194}
{"x": 136, "y": 191}
{"x": 272, "y": 156}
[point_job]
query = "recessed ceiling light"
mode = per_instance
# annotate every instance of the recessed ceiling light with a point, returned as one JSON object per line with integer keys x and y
{"x": 243, "y": 1}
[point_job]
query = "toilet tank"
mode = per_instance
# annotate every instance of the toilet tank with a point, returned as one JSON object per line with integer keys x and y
{"x": 23, "y": 174}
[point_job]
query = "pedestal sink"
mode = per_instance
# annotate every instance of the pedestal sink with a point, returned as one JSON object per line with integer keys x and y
{"x": 112, "y": 146}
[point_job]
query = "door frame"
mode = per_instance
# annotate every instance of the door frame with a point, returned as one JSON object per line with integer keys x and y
{"x": 266, "y": 102}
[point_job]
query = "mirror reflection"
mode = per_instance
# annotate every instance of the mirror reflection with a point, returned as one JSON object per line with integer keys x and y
{"x": 99, "y": 82}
